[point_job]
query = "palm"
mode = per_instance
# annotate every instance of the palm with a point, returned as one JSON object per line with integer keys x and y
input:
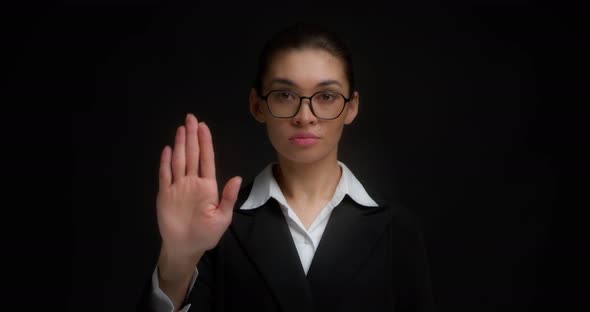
{"x": 193, "y": 213}
{"x": 191, "y": 216}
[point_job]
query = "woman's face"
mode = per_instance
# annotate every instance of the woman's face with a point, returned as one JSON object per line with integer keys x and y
{"x": 304, "y": 72}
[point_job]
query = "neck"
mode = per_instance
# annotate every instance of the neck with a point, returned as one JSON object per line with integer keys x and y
{"x": 308, "y": 182}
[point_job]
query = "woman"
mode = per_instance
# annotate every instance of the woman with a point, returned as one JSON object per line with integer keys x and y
{"x": 305, "y": 235}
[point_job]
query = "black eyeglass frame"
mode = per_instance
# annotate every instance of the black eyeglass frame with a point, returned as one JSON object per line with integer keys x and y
{"x": 346, "y": 100}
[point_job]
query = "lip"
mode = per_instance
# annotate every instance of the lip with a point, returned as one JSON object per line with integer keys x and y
{"x": 304, "y": 135}
{"x": 304, "y": 139}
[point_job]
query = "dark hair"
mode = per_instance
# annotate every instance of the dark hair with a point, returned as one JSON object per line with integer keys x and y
{"x": 302, "y": 35}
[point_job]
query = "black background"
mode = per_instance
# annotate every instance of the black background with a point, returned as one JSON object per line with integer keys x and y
{"x": 465, "y": 116}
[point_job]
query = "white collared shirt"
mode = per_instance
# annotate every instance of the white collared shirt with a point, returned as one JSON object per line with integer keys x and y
{"x": 306, "y": 241}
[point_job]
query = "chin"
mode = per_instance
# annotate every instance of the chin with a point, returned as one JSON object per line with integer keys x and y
{"x": 303, "y": 156}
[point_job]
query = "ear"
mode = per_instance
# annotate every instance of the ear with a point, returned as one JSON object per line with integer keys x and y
{"x": 256, "y": 106}
{"x": 352, "y": 109}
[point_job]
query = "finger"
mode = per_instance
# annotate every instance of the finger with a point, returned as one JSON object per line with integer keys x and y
{"x": 178, "y": 155}
{"x": 165, "y": 173}
{"x": 207, "y": 154}
{"x": 230, "y": 195}
{"x": 192, "y": 145}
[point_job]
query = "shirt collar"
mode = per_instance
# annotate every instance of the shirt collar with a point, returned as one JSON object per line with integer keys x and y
{"x": 265, "y": 186}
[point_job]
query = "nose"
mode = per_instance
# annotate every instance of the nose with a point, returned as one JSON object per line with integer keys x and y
{"x": 305, "y": 115}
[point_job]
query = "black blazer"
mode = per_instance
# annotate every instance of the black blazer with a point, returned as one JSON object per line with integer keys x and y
{"x": 369, "y": 259}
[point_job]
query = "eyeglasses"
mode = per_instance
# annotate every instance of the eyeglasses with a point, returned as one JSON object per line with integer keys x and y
{"x": 324, "y": 105}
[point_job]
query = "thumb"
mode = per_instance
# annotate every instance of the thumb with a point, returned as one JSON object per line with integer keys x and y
{"x": 230, "y": 194}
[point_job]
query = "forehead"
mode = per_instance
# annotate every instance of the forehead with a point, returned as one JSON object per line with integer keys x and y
{"x": 306, "y": 67}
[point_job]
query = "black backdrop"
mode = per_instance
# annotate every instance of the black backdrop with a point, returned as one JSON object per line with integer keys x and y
{"x": 450, "y": 123}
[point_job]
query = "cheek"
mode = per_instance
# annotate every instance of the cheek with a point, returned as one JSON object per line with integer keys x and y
{"x": 335, "y": 133}
{"x": 275, "y": 132}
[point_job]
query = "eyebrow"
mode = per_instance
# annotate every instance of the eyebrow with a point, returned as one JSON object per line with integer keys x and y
{"x": 291, "y": 83}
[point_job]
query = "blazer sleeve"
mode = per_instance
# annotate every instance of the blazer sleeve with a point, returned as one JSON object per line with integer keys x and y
{"x": 414, "y": 289}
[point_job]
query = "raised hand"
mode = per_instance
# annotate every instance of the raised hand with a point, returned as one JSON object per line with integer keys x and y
{"x": 191, "y": 216}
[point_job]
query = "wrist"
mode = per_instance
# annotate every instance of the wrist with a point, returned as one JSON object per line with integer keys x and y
{"x": 174, "y": 269}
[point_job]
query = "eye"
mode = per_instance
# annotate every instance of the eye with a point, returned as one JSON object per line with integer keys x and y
{"x": 326, "y": 97}
{"x": 285, "y": 95}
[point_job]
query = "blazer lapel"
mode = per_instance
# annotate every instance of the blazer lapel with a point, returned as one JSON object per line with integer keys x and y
{"x": 350, "y": 234}
{"x": 265, "y": 236}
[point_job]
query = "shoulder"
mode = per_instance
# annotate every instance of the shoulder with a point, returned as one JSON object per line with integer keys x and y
{"x": 403, "y": 217}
